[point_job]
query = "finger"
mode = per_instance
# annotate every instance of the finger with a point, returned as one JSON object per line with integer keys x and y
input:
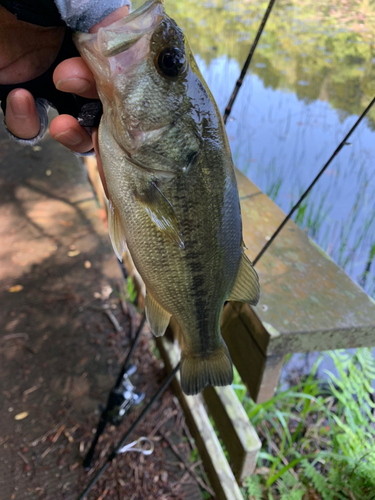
{"x": 73, "y": 76}
{"x": 21, "y": 114}
{"x": 66, "y": 130}
{"x": 100, "y": 166}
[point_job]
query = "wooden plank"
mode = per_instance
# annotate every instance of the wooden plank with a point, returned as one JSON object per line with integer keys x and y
{"x": 270, "y": 378}
{"x": 307, "y": 302}
{"x": 239, "y": 437}
{"x": 259, "y": 372}
{"x": 216, "y": 465}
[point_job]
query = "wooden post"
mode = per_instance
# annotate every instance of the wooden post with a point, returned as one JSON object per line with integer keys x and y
{"x": 216, "y": 465}
{"x": 238, "y": 435}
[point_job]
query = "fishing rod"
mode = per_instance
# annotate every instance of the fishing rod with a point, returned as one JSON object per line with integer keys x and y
{"x": 120, "y": 446}
{"x": 294, "y": 208}
{"x": 239, "y": 82}
{"x": 122, "y": 396}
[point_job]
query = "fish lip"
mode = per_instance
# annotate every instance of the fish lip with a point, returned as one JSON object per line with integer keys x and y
{"x": 155, "y": 4}
{"x": 165, "y": 173}
{"x": 142, "y": 166}
{"x": 152, "y": 7}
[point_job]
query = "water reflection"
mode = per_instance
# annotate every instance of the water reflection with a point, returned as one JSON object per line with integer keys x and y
{"x": 317, "y": 49}
{"x": 312, "y": 74}
{"x": 281, "y": 143}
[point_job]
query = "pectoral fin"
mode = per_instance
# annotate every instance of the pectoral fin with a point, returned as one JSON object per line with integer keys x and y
{"x": 161, "y": 213}
{"x": 157, "y": 317}
{"x": 116, "y": 231}
{"x": 246, "y": 287}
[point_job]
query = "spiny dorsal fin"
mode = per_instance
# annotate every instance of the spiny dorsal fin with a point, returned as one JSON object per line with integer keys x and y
{"x": 246, "y": 287}
{"x": 116, "y": 231}
{"x": 161, "y": 213}
{"x": 157, "y": 317}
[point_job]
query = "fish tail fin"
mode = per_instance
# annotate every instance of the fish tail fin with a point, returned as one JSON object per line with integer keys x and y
{"x": 199, "y": 371}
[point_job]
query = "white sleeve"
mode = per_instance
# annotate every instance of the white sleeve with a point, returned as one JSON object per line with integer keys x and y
{"x": 42, "y": 107}
{"x": 81, "y": 15}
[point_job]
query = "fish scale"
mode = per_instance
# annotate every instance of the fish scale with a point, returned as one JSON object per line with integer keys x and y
{"x": 171, "y": 183}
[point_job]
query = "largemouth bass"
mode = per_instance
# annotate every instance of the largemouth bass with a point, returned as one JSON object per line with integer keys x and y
{"x": 172, "y": 188}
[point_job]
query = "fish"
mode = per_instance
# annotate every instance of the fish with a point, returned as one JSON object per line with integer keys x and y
{"x": 173, "y": 196}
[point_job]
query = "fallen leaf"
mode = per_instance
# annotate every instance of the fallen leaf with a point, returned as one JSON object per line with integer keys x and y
{"x": 73, "y": 253}
{"x": 15, "y": 288}
{"x": 21, "y": 416}
{"x": 66, "y": 223}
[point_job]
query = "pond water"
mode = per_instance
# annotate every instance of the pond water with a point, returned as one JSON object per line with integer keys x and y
{"x": 312, "y": 75}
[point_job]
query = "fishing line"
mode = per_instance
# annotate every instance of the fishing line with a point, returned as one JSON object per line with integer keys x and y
{"x": 121, "y": 444}
{"x": 239, "y": 82}
{"x": 294, "y": 208}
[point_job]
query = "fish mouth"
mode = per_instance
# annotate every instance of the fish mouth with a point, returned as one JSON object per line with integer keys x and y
{"x": 123, "y": 34}
{"x": 162, "y": 165}
{"x": 151, "y": 7}
{"x": 140, "y": 137}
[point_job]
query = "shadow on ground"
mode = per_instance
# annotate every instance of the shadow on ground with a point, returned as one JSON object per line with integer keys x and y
{"x": 59, "y": 351}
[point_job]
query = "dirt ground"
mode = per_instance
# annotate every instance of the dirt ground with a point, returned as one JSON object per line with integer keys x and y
{"x": 59, "y": 350}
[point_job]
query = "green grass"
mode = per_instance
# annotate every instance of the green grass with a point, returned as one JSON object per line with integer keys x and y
{"x": 317, "y": 436}
{"x": 312, "y": 216}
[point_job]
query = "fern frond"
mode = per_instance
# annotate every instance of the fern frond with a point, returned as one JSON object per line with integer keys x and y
{"x": 253, "y": 488}
{"x": 318, "y": 481}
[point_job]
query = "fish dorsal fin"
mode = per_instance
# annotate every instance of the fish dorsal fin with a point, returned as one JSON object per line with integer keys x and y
{"x": 161, "y": 213}
{"x": 157, "y": 317}
{"x": 246, "y": 287}
{"x": 116, "y": 231}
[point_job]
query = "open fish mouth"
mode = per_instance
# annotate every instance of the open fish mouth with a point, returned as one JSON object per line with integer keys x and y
{"x": 129, "y": 30}
{"x": 123, "y": 45}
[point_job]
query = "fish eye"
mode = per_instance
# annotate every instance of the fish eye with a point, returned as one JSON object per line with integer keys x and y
{"x": 171, "y": 61}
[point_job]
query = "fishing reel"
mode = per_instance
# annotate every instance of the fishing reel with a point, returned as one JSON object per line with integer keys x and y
{"x": 122, "y": 398}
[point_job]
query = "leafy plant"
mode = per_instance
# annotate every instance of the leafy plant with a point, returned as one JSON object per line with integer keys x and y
{"x": 317, "y": 436}
{"x": 131, "y": 290}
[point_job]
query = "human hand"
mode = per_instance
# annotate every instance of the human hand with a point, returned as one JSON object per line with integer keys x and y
{"x": 19, "y": 64}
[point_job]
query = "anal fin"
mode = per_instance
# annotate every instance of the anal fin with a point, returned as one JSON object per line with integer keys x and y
{"x": 116, "y": 230}
{"x": 157, "y": 317}
{"x": 246, "y": 286}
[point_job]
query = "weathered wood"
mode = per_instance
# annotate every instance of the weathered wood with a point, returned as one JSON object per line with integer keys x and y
{"x": 238, "y": 435}
{"x": 216, "y": 465}
{"x": 92, "y": 169}
{"x": 259, "y": 372}
{"x": 307, "y": 302}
